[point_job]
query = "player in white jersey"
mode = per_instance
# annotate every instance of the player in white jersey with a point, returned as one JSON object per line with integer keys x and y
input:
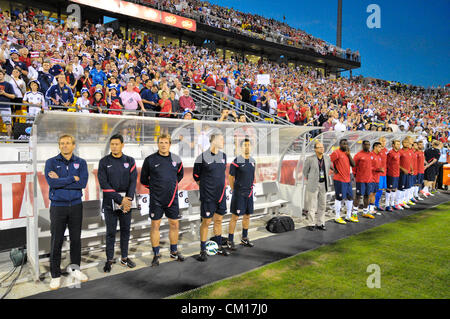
{"x": 35, "y": 99}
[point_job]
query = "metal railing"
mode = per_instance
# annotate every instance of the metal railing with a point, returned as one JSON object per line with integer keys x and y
{"x": 59, "y": 108}
{"x": 220, "y": 100}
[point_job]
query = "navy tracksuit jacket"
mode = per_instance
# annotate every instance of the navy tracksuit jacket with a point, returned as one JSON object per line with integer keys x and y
{"x": 65, "y": 191}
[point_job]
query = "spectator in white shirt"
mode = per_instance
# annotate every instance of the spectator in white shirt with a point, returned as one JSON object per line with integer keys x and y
{"x": 340, "y": 126}
{"x": 273, "y": 106}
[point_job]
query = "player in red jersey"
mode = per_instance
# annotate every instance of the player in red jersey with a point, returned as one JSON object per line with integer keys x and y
{"x": 383, "y": 180}
{"x": 393, "y": 173}
{"x": 405, "y": 172}
{"x": 363, "y": 176}
{"x": 420, "y": 165}
{"x": 377, "y": 170}
{"x": 342, "y": 160}
{"x": 412, "y": 155}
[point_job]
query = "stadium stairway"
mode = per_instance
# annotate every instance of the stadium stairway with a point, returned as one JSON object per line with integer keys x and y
{"x": 211, "y": 102}
{"x": 172, "y": 278}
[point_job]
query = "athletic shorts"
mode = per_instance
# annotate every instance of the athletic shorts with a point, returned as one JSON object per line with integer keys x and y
{"x": 5, "y": 114}
{"x": 430, "y": 174}
{"x": 362, "y": 189}
{"x": 208, "y": 209}
{"x": 412, "y": 180}
{"x": 392, "y": 182}
{"x": 419, "y": 179}
{"x": 403, "y": 181}
{"x": 241, "y": 205}
{"x": 343, "y": 190}
{"x": 156, "y": 211}
{"x": 374, "y": 187}
{"x": 383, "y": 183}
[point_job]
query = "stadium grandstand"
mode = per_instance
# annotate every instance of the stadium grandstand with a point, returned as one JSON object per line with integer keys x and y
{"x": 146, "y": 69}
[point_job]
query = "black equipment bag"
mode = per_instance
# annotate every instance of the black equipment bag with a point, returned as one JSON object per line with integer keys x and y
{"x": 280, "y": 224}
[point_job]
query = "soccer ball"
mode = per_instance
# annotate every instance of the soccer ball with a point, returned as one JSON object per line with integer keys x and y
{"x": 211, "y": 248}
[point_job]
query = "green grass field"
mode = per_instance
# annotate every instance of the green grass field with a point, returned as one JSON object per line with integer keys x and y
{"x": 413, "y": 254}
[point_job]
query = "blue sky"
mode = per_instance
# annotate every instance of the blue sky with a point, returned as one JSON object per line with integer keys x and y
{"x": 412, "y": 46}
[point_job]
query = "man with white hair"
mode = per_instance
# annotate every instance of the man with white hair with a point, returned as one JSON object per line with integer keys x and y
{"x": 186, "y": 101}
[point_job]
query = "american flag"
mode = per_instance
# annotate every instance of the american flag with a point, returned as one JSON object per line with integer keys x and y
{"x": 34, "y": 54}
{"x": 56, "y": 61}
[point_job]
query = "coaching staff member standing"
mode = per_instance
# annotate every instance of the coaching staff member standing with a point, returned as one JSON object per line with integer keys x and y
{"x": 161, "y": 173}
{"x": 66, "y": 176}
{"x": 315, "y": 171}
{"x": 117, "y": 177}
{"x": 431, "y": 167}
{"x": 209, "y": 173}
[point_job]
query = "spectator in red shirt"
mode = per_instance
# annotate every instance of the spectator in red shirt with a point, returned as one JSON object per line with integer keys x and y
{"x": 197, "y": 77}
{"x": 211, "y": 80}
{"x": 165, "y": 104}
{"x": 186, "y": 101}
{"x": 281, "y": 108}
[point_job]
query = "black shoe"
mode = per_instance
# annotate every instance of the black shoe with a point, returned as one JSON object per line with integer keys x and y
{"x": 107, "y": 267}
{"x": 155, "y": 261}
{"x": 127, "y": 262}
{"x": 177, "y": 256}
{"x": 321, "y": 227}
{"x": 202, "y": 256}
{"x": 311, "y": 228}
{"x": 231, "y": 245}
{"x": 246, "y": 242}
{"x": 222, "y": 251}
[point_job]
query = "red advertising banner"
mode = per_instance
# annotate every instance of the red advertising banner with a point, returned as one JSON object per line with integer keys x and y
{"x": 141, "y": 12}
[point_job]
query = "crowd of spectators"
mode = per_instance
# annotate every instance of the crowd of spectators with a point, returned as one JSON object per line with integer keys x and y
{"x": 94, "y": 69}
{"x": 251, "y": 25}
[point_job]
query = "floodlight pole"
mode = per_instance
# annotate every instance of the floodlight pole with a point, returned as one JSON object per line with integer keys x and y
{"x": 339, "y": 25}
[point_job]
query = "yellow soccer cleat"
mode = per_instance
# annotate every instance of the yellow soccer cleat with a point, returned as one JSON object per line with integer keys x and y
{"x": 340, "y": 221}
{"x": 353, "y": 219}
{"x": 367, "y": 215}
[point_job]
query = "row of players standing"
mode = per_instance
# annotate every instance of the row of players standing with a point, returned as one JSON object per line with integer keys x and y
{"x": 401, "y": 172}
{"x": 161, "y": 172}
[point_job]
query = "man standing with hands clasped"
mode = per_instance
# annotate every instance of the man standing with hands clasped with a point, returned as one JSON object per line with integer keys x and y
{"x": 117, "y": 176}
{"x": 241, "y": 178}
{"x": 209, "y": 173}
{"x": 316, "y": 172}
{"x": 342, "y": 160}
{"x": 161, "y": 173}
{"x": 66, "y": 175}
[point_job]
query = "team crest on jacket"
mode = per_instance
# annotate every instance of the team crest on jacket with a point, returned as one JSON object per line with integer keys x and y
{"x": 223, "y": 160}
{"x": 126, "y": 165}
{"x": 174, "y": 164}
{"x": 76, "y": 165}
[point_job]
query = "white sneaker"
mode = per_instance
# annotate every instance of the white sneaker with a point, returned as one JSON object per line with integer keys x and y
{"x": 79, "y": 275}
{"x": 55, "y": 283}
